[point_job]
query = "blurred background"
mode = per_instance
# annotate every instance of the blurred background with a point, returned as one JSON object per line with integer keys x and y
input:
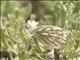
{"x": 13, "y": 33}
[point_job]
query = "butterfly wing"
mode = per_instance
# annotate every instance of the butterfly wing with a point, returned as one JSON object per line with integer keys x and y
{"x": 50, "y": 35}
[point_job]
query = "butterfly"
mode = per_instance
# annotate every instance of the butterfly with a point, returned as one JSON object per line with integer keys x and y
{"x": 49, "y": 35}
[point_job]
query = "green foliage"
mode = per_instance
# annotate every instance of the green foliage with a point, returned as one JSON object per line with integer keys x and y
{"x": 14, "y": 35}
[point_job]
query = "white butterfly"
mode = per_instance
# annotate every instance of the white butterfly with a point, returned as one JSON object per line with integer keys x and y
{"x": 47, "y": 34}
